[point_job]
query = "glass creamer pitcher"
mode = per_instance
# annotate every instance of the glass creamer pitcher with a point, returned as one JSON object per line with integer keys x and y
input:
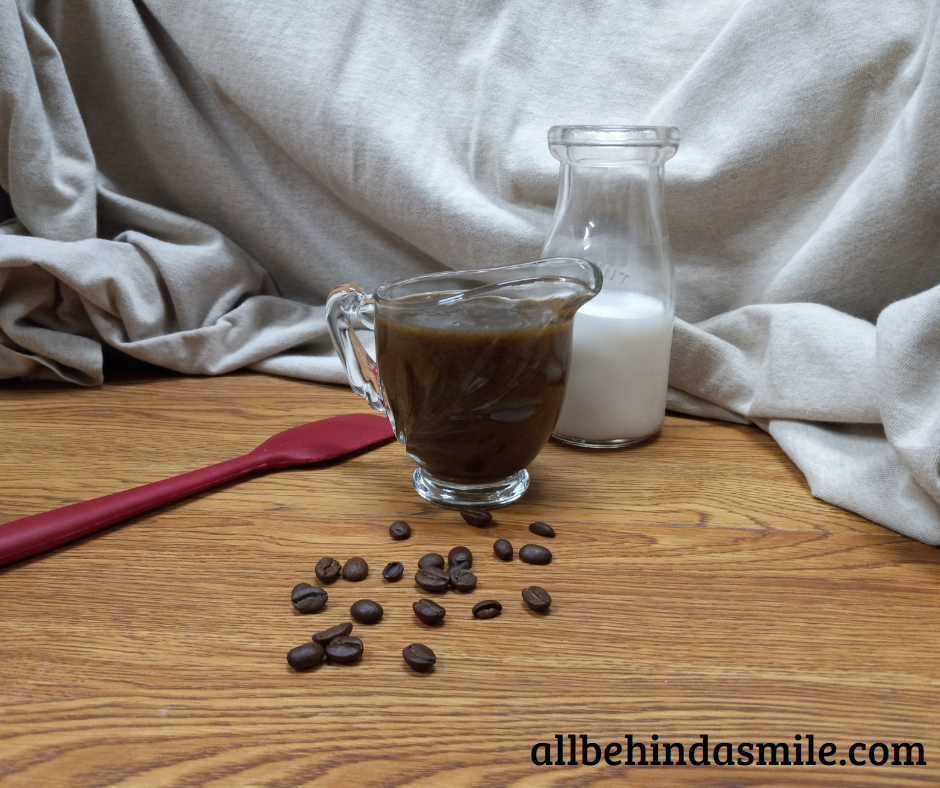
{"x": 470, "y": 368}
{"x": 610, "y": 211}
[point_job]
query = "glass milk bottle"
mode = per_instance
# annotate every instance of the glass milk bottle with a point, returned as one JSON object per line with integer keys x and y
{"x": 610, "y": 211}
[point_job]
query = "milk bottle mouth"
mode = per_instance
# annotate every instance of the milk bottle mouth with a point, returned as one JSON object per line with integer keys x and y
{"x": 610, "y": 146}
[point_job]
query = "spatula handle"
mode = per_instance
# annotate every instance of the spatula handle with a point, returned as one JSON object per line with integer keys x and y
{"x": 39, "y": 532}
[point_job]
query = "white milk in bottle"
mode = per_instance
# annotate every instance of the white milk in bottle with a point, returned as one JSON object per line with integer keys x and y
{"x": 619, "y": 370}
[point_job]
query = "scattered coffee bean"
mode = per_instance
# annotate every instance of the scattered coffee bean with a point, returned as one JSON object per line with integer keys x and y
{"x": 419, "y": 657}
{"x": 477, "y": 517}
{"x": 356, "y": 569}
{"x": 431, "y": 559}
{"x": 460, "y": 556}
{"x": 399, "y": 530}
{"x": 344, "y": 650}
{"x": 365, "y": 611}
{"x": 537, "y": 598}
{"x": 393, "y": 571}
{"x": 328, "y": 570}
{"x": 488, "y": 608}
{"x": 535, "y": 554}
{"x": 462, "y": 579}
{"x": 503, "y": 549}
{"x": 432, "y": 579}
{"x": 542, "y": 529}
{"x": 305, "y": 656}
{"x": 307, "y": 598}
{"x": 340, "y": 630}
{"x": 428, "y": 611}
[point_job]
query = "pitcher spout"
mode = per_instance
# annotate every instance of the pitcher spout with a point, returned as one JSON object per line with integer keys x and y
{"x": 569, "y": 281}
{"x": 528, "y": 294}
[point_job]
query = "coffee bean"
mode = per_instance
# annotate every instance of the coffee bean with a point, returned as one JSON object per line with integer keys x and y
{"x": 399, "y": 530}
{"x": 344, "y": 650}
{"x": 419, "y": 657}
{"x": 328, "y": 570}
{"x": 462, "y": 579}
{"x": 431, "y": 559}
{"x": 460, "y": 556}
{"x": 535, "y": 554}
{"x": 307, "y": 598}
{"x": 393, "y": 571}
{"x": 488, "y": 608}
{"x": 356, "y": 569}
{"x": 305, "y": 656}
{"x": 339, "y": 630}
{"x": 503, "y": 549}
{"x": 432, "y": 579}
{"x": 477, "y": 517}
{"x": 365, "y": 611}
{"x": 542, "y": 529}
{"x": 428, "y": 611}
{"x": 537, "y": 598}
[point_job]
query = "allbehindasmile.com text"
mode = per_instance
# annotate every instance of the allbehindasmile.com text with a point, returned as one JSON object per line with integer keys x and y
{"x": 804, "y": 750}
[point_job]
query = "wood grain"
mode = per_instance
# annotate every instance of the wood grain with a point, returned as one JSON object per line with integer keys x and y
{"x": 698, "y": 586}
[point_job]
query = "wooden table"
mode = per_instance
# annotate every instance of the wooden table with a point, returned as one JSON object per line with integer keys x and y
{"x": 699, "y": 590}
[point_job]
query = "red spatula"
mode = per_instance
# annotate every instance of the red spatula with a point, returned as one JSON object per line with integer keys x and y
{"x": 317, "y": 441}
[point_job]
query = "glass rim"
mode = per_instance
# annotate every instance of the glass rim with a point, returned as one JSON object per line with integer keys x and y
{"x": 610, "y": 135}
{"x": 493, "y": 278}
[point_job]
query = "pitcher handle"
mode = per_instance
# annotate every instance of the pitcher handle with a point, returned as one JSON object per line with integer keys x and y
{"x": 344, "y": 304}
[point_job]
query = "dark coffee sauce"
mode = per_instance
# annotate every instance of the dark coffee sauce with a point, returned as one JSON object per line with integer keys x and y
{"x": 474, "y": 397}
